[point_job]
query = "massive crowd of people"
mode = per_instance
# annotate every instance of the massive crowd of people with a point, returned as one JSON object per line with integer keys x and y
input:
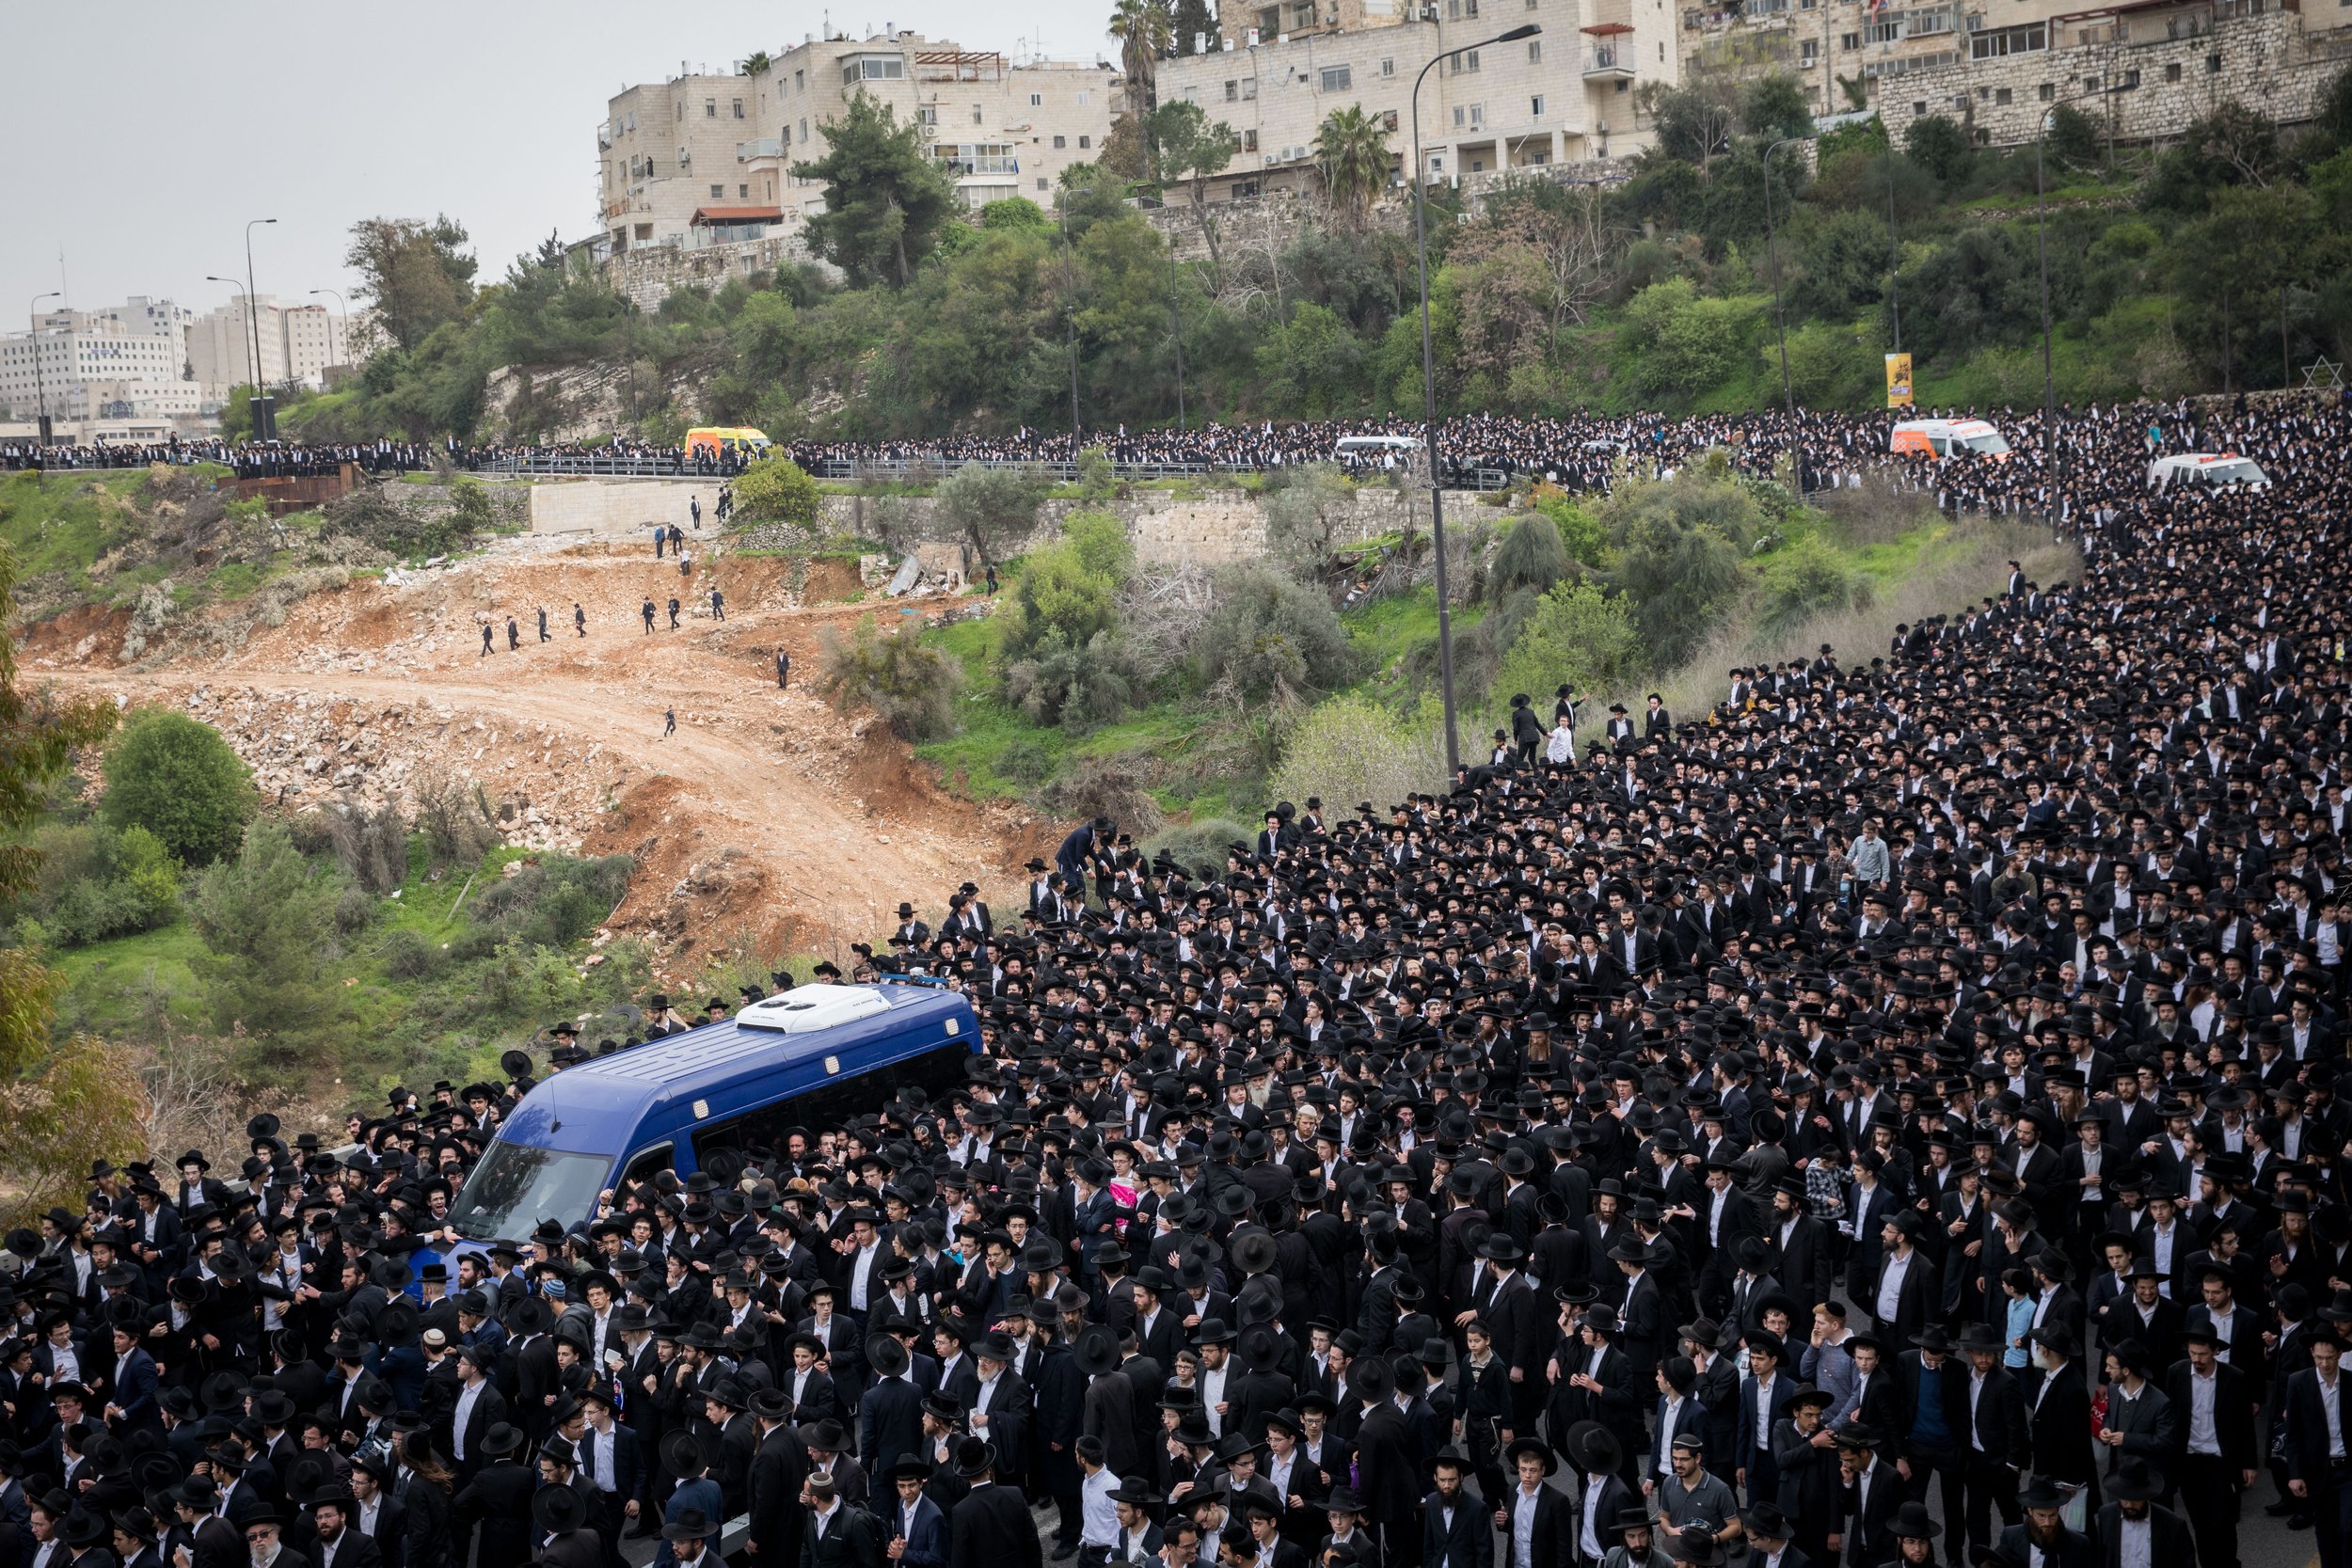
{"x": 1578, "y": 453}
{"x": 1894, "y": 1117}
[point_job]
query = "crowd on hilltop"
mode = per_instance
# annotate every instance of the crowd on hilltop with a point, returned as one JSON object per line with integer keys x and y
{"x": 1896, "y": 1117}
{"x": 1578, "y": 453}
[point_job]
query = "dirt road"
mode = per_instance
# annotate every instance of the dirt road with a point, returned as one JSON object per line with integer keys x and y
{"x": 765, "y": 814}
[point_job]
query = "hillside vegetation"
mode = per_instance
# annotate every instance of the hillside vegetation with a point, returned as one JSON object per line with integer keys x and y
{"x": 2217, "y": 262}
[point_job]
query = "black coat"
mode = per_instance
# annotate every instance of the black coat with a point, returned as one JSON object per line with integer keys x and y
{"x": 1553, "y": 1542}
{"x": 497, "y": 1502}
{"x": 2170, "y": 1541}
{"x": 991, "y": 1528}
{"x": 2233, "y": 1413}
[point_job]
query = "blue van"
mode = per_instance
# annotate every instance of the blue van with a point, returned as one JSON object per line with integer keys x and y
{"x": 814, "y": 1056}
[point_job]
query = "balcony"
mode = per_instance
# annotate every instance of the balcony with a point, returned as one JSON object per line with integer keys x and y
{"x": 758, "y": 147}
{"x": 1608, "y": 62}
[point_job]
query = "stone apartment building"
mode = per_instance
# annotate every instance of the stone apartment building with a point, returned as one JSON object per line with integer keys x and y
{"x": 2143, "y": 69}
{"x": 705, "y": 160}
{"x": 1565, "y": 97}
{"x": 119, "y": 362}
{"x": 297, "y": 345}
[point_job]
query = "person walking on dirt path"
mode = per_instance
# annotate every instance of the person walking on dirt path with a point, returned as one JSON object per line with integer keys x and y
{"x": 648, "y": 614}
{"x": 514, "y": 635}
{"x": 718, "y": 605}
{"x": 542, "y": 625}
{"x": 661, "y": 537}
{"x": 678, "y": 539}
{"x": 674, "y": 612}
{"x": 669, "y": 723}
{"x": 783, "y": 668}
{"x": 684, "y": 565}
{"x": 992, "y": 577}
{"x": 695, "y": 510}
{"x": 485, "y": 639}
{"x": 579, "y": 619}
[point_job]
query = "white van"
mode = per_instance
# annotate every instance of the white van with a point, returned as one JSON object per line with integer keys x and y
{"x": 1945, "y": 437}
{"x": 2206, "y": 468}
{"x": 1387, "y": 452}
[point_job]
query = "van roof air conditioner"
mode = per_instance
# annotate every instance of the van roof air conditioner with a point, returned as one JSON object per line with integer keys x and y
{"x": 812, "y": 1009}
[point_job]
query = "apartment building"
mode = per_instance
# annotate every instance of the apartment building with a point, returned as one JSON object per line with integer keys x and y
{"x": 1568, "y": 95}
{"x": 297, "y": 345}
{"x": 707, "y": 159}
{"x": 2143, "y": 69}
{"x": 126, "y": 361}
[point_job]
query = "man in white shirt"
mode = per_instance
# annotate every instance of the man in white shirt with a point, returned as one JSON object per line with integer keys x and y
{"x": 1097, "y": 1530}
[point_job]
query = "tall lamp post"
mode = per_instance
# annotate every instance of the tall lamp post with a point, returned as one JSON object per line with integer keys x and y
{"x": 330, "y": 325}
{"x": 40, "y": 383}
{"x": 1429, "y": 387}
{"x": 265, "y": 414}
{"x": 1771, "y": 242}
{"x": 2041, "y": 245}
{"x": 1070, "y": 314}
{"x": 245, "y": 346}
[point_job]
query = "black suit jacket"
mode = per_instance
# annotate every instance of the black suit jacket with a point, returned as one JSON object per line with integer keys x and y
{"x": 1553, "y": 1542}
{"x": 991, "y": 1528}
{"x": 2306, "y": 1441}
{"x": 2073, "y": 1550}
{"x": 1469, "y": 1544}
{"x": 2233, "y": 1413}
{"x": 2170, "y": 1541}
{"x": 350, "y": 1550}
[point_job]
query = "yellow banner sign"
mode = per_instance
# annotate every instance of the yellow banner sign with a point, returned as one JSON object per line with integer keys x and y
{"x": 1898, "y": 380}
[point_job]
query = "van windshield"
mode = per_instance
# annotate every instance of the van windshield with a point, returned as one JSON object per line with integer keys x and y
{"x": 514, "y": 1187}
{"x": 2243, "y": 471}
{"x": 1990, "y": 441}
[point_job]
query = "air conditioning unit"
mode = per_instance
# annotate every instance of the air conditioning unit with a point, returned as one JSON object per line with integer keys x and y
{"x": 930, "y": 131}
{"x": 1271, "y": 160}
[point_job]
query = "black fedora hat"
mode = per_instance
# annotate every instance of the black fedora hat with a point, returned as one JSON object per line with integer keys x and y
{"x": 973, "y": 1457}
{"x": 558, "y": 1510}
{"x": 692, "y": 1524}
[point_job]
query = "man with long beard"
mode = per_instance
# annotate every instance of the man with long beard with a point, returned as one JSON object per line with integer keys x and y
{"x": 2042, "y": 1541}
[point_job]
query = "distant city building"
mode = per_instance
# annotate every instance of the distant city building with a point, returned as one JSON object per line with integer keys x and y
{"x": 118, "y": 363}
{"x": 1569, "y": 96}
{"x": 705, "y": 160}
{"x": 297, "y": 345}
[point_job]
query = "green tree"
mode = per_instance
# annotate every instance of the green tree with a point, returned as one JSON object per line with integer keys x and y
{"x": 1807, "y": 578}
{"x": 2074, "y": 137}
{"x": 887, "y": 199}
{"x": 1145, "y": 35}
{"x": 1306, "y": 506}
{"x": 992, "y": 508}
{"x": 1190, "y": 21}
{"x": 1311, "y": 366}
{"x": 1938, "y": 145}
{"x": 1680, "y": 544}
{"x": 1352, "y": 157}
{"x": 912, "y": 686}
{"x": 1676, "y": 345}
{"x": 414, "y": 276}
{"x": 1575, "y": 634}
{"x": 178, "y": 779}
{"x": 1188, "y": 147}
{"x": 1531, "y": 555}
{"x": 1272, "y": 640}
{"x": 1695, "y": 124}
{"x": 775, "y": 489}
{"x": 1775, "y": 107}
{"x": 267, "y": 917}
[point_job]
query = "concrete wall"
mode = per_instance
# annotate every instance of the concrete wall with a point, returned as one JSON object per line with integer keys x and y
{"x": 620, "y": 505}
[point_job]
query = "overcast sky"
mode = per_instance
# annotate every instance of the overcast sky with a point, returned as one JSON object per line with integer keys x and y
{"x": 147, "y": 132}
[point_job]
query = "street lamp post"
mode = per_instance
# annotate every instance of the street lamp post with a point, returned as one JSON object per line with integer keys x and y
{"x": 266, "y": 414}
{"x": 2041, "y": 245}
{"x": 1894, "y": 258}
{"x": 1070, "y": 313}
{"x": 1429, "y": 388}
{"x": 40, "y": 383}
{"x": 1176, "y": 330}
{"x": 330, "y": 325}
{"x": 244, "y": 345}
{"x": 1771, "y": 242}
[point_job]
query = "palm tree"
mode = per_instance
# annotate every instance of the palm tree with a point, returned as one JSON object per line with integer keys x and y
{"x": 1144, "y": 33}
{"x": 1352, "y": 154}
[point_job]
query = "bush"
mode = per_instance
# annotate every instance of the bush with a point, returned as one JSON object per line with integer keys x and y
{"x": 554, "y": 900}
{"x": 455, "y": 819}
{"x": 993, "y": 509}
{"x": 1025, "y": 763}
{"x": 1533, "y": 554}
{"x": 1580, "y": 533}
{"x": 1273, "y": 639}
{"x": 910, "y": 686}
{"x": 372, "y": 846}
{"x": 98, "y": 883}
{"x": 1353, "y": 748}
{"x": 1575, "y": 634}
{"x": 1077, "y": 686}
{"x": 1201, "y": 844}
{"x": 179, "y": 780}
{"x": 1803, "y": 580}
{"x": 408, "y": 956}
{"x": 267, "y": 918}
{"x": 777, "y": 490}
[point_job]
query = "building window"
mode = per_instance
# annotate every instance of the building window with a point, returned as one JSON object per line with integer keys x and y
{"x": 799, "y": 81}
{"x": 1060, "y": 142}
{"x": 1249, "y": 90}
{"x": 710, "y": 108}
{"x": 976, "y": 113}
{"x": 1535, "y": 107}
{"x": 718, "y": 193}
{"x": 1085, "y": 142}
{"x": 2213, "y": 65}
{"x": 1338, "y": 78}
{"x": 1083, "y": 99}
{"x": 1232, "y": 91}
{"x": 2046, "y": 92}
{"x": 743, "y": 191}
{"x": 1388, "y": 67}
{"x": 1808, "y": 50}
{"x": 1037, "y": 99}
{"x": 1886, "y": 30}
{"x": 2009, "y": 41}
{"x": 1459, "y": 116}
{"x": 2001, "y": 95}
{"x": 1535, "y": 51}
{"x": 1250, "y": 139}
{"x": 738, "y": 108}
{"x": 2171, "y": 72}
{"x": 1043, "y": 183}
{"x": 1850, "y": 41}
